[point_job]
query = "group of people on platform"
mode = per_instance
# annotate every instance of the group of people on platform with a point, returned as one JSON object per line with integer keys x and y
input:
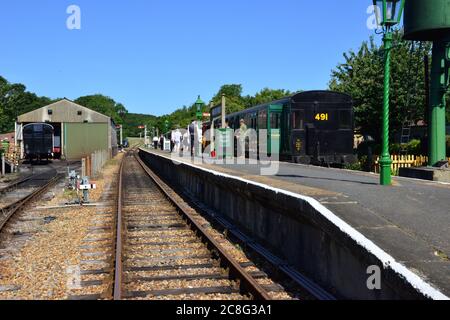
{"x": 178, "y": 140}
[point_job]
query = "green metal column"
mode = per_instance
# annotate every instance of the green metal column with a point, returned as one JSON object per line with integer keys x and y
{"x": 438, "y": 89}
{"x": 385, "y": 161}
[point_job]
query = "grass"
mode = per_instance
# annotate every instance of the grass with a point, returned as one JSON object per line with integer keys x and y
{"x": 70, "y": 195}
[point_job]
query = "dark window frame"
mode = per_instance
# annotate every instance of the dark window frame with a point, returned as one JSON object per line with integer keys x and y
{"x": 298, "y": 114}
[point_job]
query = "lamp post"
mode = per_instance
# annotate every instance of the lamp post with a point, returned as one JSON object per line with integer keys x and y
{"x": 166, "y": 126}
{"x": 199, "y": 104}
{"x": 388, "y": 14}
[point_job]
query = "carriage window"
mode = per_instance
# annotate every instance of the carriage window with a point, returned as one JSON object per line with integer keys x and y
{"x": 275, "y": 121}
{"x": 254, "y": 119}
{"x": 262, "y": 120}
{"x": 345, "y": 119}
{"x": 298, "y": 120}
{"x": 38, "y": 128}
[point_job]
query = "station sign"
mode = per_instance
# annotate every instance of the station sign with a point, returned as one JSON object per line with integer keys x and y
{"x": 141, "y": 127}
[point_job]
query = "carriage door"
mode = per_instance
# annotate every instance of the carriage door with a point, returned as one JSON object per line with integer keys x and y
{"x": 274, "y": 129}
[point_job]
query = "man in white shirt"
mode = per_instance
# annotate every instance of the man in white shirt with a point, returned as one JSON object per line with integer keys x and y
{"x": 176, "y": 136}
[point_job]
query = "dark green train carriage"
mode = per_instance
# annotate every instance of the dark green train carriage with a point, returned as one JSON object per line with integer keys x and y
{"x": 312, "y": 127}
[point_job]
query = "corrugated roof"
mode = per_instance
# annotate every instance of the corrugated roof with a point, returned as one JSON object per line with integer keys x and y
{"x": 64, "y": 111}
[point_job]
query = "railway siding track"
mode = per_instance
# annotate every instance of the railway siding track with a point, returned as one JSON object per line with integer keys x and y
{"x": 163, "y": 252}
{"x": 44, "y": 180}
{"x": 13, "y": 185}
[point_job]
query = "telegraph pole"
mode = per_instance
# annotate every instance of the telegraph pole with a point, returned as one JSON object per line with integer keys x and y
{"x": 145, "y": 136}
{"x": 121, "y": 135}
{"x": 224, "y": 111}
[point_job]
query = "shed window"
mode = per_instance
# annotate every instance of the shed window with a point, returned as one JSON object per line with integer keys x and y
{"x": 80, "y": 113}
{"x": 50, "y": 112}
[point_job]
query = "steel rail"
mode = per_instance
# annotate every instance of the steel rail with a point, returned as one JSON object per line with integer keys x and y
{"x": 15, "y": 183}
{"x": 310, "y": 288}
{"x": 7, "y": 212}
{"x": 118, "y": 252}
{"x": 236, "y": 271}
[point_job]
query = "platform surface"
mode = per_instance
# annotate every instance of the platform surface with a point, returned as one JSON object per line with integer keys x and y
{"x": 409, "y": 220}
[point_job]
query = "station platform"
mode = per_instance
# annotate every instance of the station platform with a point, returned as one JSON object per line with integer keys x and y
{"x": 409, "y": 220}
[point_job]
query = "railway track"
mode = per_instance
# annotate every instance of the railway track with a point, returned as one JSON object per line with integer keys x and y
{"x": 15, "y": 184}
{"x": 19, "y": 194}
{"x": 163, "y": 252}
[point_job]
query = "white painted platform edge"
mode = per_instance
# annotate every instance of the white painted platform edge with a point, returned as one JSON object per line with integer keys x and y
{"x": 388, "y": 261}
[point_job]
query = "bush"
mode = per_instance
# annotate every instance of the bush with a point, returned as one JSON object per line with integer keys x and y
{"x": 414, "y": 147}
{"x": 395, "y": 148}
{"x": 357, "y": 166}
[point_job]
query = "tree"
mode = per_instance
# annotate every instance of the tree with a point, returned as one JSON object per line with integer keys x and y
{"x": 234, "y": 100}
{"x": 14, "y": 101}
{"x": 267, "y": 95}
{"x": 361, "y": 76}
{"x": 104, "y": 105}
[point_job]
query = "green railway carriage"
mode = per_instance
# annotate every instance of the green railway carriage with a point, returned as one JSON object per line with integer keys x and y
{"x": 312, "y": 127}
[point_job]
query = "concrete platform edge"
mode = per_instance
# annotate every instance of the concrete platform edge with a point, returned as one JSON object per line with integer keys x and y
{"x": 388, "y": 262}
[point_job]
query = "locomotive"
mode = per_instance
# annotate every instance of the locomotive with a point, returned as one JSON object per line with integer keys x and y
{"x": 311, "y": 127}
{"x": 38, "y": 141}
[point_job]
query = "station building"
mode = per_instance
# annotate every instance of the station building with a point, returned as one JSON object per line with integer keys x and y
{"x": 78, "y": 131}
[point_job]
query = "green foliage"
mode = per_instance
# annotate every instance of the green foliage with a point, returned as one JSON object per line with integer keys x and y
{"x": 414, "y": 147}
{"x": 267, "y": 95}
{"x": 131, "y": 122}
{"x": 14, "y": 101}
{"x": 234, "y": 102}
{"x": 361, "y": 76}
{"x": 357, "y": 166}
{"x": 104, "y": 105}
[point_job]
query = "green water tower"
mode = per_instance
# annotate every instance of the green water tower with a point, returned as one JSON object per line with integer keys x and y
{"x": 429, "y": 20}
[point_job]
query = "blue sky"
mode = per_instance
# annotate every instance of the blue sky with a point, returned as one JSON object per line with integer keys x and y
{"x": 157, "y": 55}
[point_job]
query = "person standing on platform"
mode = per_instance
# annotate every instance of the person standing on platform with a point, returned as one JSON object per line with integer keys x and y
{"x": 172, "y": 140}
{"x": 177, "y": 140}
{"x": 161, "y": 142}
{"x": 241, "y": 135}
{"x": 155, "y": 142}
{"x": 191, "y": 130}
